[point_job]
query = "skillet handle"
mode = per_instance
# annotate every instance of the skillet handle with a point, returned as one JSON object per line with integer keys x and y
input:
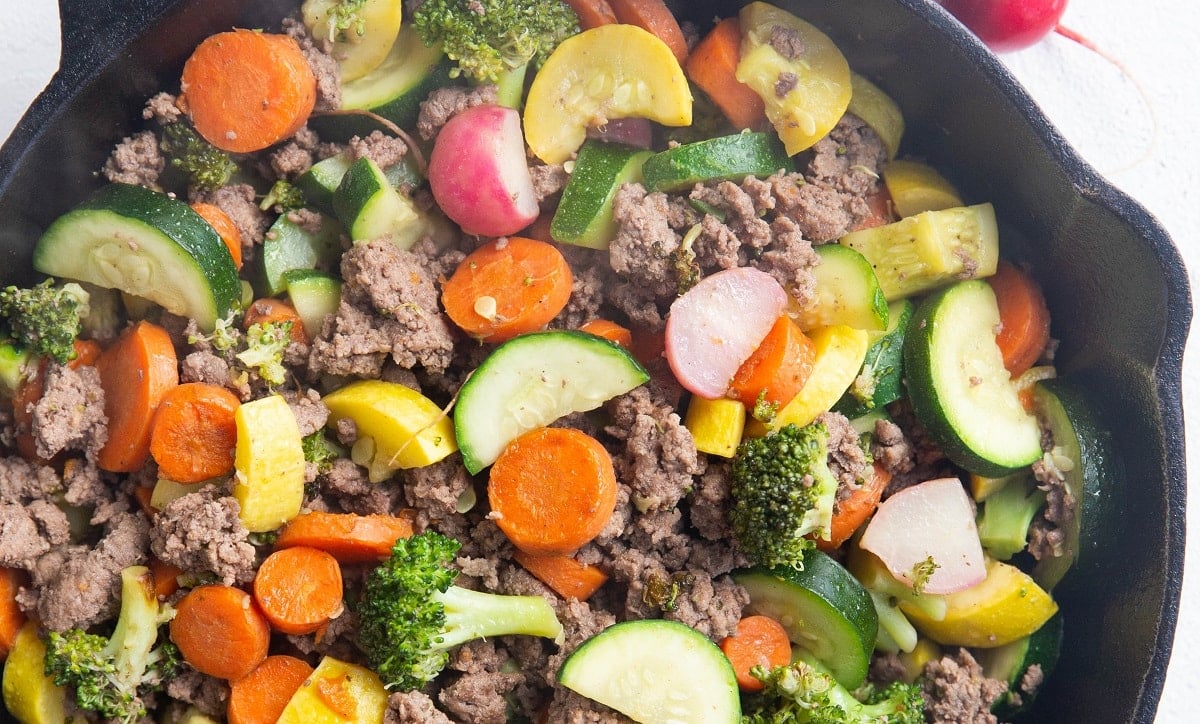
{"x": 91, "y": 27}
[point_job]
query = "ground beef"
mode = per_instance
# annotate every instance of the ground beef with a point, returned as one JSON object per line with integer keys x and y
{"x": 1047, "y": 537}
{"x": 743, "y": 219}
{"x": 847, "y": 459}
{"x": 710, "y": 605}
{"x": 447, "y": 102}
{"x": 201, "y": 533}
{"x": 890, "y": 448}
{"x": 310, "y": 412}
{"x": 163, "y": 108}
{"x": 435, "y": 490}
{"x": 591, "y": 278}
{"x": 567, "y": 707}
{"x": 21, "y": 480}
{"x": 296, "y": 156}
{"x": 956, "y": 691}
{"x": 240, "y": 202}
{"x": 848, "y": 160}
{"x": 70, "y": 414}
{"x": 324, "y": 66}
{"x": 642, "y": 251}
{"x": 204, "y": 366}
{"x": 439, "y": 263}
{"x": 657, "y": 455}
{"x": 786, "y": 41}
{"x": 790, "y": 259}
{"x": 708, "y": 506}
{"x": 886, "y": 668}
{"x": 386, "y": 151}
{"x": 479, "y": 693}
{"x": 389, "y": 305}
{"x": 785, "y": 83}
{"x": 207, "y": 693}
{"x": 345, "y": 487}
{"x": 137, "y": 160}
{"x": 413, "y": 707}
{"x": 27, "y": 532}
{"x": 548, "y": 180}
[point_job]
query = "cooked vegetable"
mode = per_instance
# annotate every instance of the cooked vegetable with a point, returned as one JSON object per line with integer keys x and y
{"x": 851, "y": 512}
{"x": 585, "y": 211}
{"x": 567, "y": 576}
{"x": 29, "y": 694}
{"x": 916, "y": 188}
{"x": 712, "y": 67}
{"x": 1010, "y": 663}
{"x": 225, "y": 228}
{"x": 136, "y": 371}
{"x": 1024, "y": 317}
{"x": 337, "y": 692}
{"x": 756, "y": 641}
{"x": 314, "y": 295}
{"x": 112, "y": 676}
{"x": 726, "y": 158}
{"x": 610, "y": 330}
{"x": 206, "y": 167}
{"x": 847, "y": 292}
{"x": 879, "y": 382}
{"x": 371, "y": 208}
{"x": 348, "y": 537}
{"x": 629, "y": 665}
{"x": 411, "y": 614}
{"x": 268, "y": 482}
{"x": 193, "y": 434}
{"x": 804, "y": 691}
{"x": 44, "y": 318}
{"x": 362, "y": 31}
{"x": 12, "y": 618}
{"x": 220, "y": 631}
{"x": 592, "y": 13}
{"x": 877, "y": 109}
{"x": 245, "y": 90}
{"x": 716, "y": 425}
{"x": 299, "y": 589}
{"x": 552, "y": 490}
{"x": 777, "y": 369}
{"x": 655, "y": 17}
{"x": 782, "y": 491}
{"x": 396, "y": 87}
{"x": 260, "y": 696}
{"x": 1005, "y": 516}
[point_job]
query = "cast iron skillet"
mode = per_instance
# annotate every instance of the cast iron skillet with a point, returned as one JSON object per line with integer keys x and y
{"x": 1115, "y": 283}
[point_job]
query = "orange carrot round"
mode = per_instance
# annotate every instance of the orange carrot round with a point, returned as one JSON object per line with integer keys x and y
{"x": 507, "y": 287}
{"x": 778, "y": 368}
{"x": 348, "y": 537}
{"x": 609, "y": 330}
{"x": 592, "y": 13}
{"x": 757, "y": 641}
{"x": 225, "y": 228}
{"x": 166, "y": 578}
{"x": 712, "y": 66}
{"x": 261, "y": 696}
{"x": 220, "y": 631}
{"x": 653, "y": 16}
{"x": 268, "y": 310}
{"x": 1024, "y": 317}
{"x": 552, "y": 490}
{"x": 850, "y": 513}
{"x": 135, "y": 371}
{"x": 11, "y": 616}
{"x": 299, "y": 589}
{"x": 194, "y": 432}
{"x": 566, "y": 576}
{"x": 246, "y": 90}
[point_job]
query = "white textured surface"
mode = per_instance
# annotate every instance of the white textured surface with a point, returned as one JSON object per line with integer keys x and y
{"x": 1154, "y": 157}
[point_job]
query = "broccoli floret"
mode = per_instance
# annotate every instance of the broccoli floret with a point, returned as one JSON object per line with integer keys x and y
{"x": 491, "y": 39}
{"x": 208, "y": 167}
{"x": 343, "y": 16}
{"x": 284, "y": 196}
{"x": 663, "y": 593}
{"x": 44, "y": 319}
{"x": 411, "y": 614}
{"x": 804, "y": 692}
{"x": 782, "y": 491}
{"x": 265, "y": 345}
{"x": 111, "y": 675}
{"x": 1005, "y": 517}
{"x": 319, "y": 451}
{"x": 15, "y": 367}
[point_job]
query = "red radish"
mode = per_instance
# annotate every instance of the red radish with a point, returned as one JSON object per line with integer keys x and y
{"x": 717, "y": 324}
{"x": 932, "y": 520}
{"x": 1006, "y": 25}
{"x": 478, "y": 173}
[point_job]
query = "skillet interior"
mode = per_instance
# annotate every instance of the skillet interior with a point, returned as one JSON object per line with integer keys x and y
{"x": 1115, "y": 283}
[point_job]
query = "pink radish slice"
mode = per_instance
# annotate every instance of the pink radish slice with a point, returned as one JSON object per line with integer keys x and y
{"x": 717, "y": 324}
{"x": 934, "y": 519}
{"x": 478, "y": 173}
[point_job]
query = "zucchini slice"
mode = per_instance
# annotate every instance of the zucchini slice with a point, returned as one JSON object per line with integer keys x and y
{"x": 848, "y": 292}
{"x": 585, "y": 214}
{"x": 289, "y": 246}
{"x": 726, "y": 158}
{"x": 879, "y": 383}
{"x": 146, "y": 244}
{"x": 1009, "y": 663}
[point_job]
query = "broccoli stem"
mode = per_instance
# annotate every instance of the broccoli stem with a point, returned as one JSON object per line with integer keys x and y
{"x": 1006, "y": 515}
{"x": 510, "y": 87}
{"x": 472, "y": 615}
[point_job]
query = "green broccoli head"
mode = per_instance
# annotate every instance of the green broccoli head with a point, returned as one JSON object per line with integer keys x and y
{"x": 491, "y": 38}
{"x": 283, "y": 197}
{"x": 208, "y": 168}
{"x": 44, "y": 319}
{"x": 411, "y": 614}
{"x": 804, "y": 692}
{"x": 111, "y": 676}
{"x": 782, "y": 491}
{"x": 265, "y": 344}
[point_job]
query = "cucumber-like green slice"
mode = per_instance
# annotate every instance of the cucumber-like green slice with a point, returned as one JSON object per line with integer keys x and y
{"x": 314, "y": 294}
{"x": 146, "y": 244}
{"x": 727, "y": 158}
{"x": 958, "y": 385}
{"x": 1008, "y": 663}
{"x": 289, "y": 246}
{"x": 825, "y": 610}
{"x": 585, "y": 212}
{"x": 371, "y": 208}
{"x": 395, "y": 89}
{"x": 1063, "y": 410}
{"x": 930, "y": 250}
{"x": 654, "y": 670}
{"x": 531, "y": 381}
{"x": 321, "y": 180}
{"x": 880, "y": 383}
{"x": 847, "y": 292}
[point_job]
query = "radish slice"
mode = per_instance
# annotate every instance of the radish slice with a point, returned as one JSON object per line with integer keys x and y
{"x": 717, "y": 324}
{"x": 934, "y": 519}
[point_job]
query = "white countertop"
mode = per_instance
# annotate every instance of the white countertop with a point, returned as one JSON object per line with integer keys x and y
{"x": 1155, "y": 157}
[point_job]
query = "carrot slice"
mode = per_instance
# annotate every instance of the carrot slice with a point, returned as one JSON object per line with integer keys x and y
{"x": 135, "y": 372}
{"x": 225, "y": 228}
{"x": 246, "y": 90}
{"x": 220, "y": 631}
{"x": 552, "y": 490}
{"x": 850, "y": 513}
{"x": 653, "y": 16}
{"x": 593, "y": 13}
{"x": 756, "y": 641}
{"x": 261, "y": 696}
{"x": 507, "y": 287}
{"x": 348, "y": 537}
{"x": 879, "y": 202}
{"x": 566, "y": 576}
{"x": 778, "y": 368}
{"x": 30, "y": 391}
{"x": 299, "y": 589}
{"x": 1024, "y": 317}
{"x": 194, "y": 432}
{"x": 712, "y": 66}
{"x": 11, "y": 616}
{"x": 166, "y": 576}
{"x": 269, "y": 310}
{"x": 609, "y": 330}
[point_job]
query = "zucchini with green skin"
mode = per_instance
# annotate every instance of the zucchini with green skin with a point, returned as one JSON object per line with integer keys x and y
{"x": 726, "y": 158}
{"x": 146, "y": 244}
{"x": 290, "y": 245}
{"x": 585, "y": 213}
{"x": 1010, "y": 663}
{"x": 880, "y": 382}
{"x": 960, "y": 391}
{"x": 371, "y": 208}
{"x": 847, "y": 292}
{"x": 314, "y": 295}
